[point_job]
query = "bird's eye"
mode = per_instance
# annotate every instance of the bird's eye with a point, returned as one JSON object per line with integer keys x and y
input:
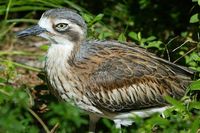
{"x": 61, "y": 27}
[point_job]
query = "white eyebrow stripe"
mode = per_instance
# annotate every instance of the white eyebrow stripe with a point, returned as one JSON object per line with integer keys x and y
{"x": 45, "y": 23}
{"x": 57, "y": 21}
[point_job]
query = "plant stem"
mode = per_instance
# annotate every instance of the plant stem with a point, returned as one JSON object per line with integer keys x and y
{"x": 39, "y": 120}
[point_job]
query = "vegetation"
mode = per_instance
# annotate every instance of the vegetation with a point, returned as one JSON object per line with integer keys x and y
{"x": 169, "y": 28}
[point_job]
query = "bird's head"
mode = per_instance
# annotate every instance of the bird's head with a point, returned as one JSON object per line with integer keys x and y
{"x": 60, "y": 26}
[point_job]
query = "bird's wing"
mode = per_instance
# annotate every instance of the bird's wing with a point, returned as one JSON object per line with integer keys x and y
{"x": 131, "y": 79}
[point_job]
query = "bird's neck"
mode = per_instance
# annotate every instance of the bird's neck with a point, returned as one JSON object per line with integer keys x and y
{"x": 57, "y": 68}
{"x": 61, "y": 75}
{"x": 59, "y": 51}
{"x": 61, "y": 54}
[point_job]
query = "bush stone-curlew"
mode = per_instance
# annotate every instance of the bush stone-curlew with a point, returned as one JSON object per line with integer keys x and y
{"x": 105, "y": 78}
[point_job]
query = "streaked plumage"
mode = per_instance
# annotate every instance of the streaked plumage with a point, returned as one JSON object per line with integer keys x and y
{"x": 105, "y": 78}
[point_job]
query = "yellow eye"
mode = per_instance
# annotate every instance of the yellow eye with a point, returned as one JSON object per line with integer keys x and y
{"x": 61, "y": 27}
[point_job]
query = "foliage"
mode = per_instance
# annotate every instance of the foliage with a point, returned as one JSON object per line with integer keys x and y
{"x": 170, "y": 29}
{"x": 67, "y": 116}
{"x": 14, "y": 116}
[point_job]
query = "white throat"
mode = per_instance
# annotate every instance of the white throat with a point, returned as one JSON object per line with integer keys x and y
{"x": 56, "y": 64}
{"x": 57, "y": 56}
{"x": 58, "y": 52}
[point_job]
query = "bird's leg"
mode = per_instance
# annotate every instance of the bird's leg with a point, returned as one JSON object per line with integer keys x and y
{"x": 92, "y": 124}
{"x": 118, "y": 125}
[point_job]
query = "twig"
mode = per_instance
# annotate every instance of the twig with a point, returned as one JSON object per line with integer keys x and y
{"x": 180, "y": 46}
{"x": 4, "y": 92}
{"x": 171, "y": 40}
{"x": 15, "y": 53}
{"x": 39, "y": 120}
{"x": 22, "y": 65}
{"x": 26, "y": 67}
{"x": 7, "y": 29}
{"x": 35, "y": 115}
{"x": 2, "y": 84}
{"x": 22, "y": 20}
{"x": 184, "y": 55}
{"x": 30, "y": 97}
{"x": 168, "y": 56}
{"x": 54, "y": 128}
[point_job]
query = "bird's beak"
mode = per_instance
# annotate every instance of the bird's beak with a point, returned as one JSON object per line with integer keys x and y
{"x": 35, "y": 30}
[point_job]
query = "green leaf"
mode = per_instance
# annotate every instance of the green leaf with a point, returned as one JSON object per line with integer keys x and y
{"x": 98, "y": 17}
{"x": 158, "y": 121}
{"x": 199, "y": 2}
{"x": 195, "y": 126}
{"x": 195, "y": 85}
{"x": 122, "y": 37}
{"x": 107, "y": 123}
{"x": 139, "y": 36}
{"x": 88, "y": 18}
{"x": 195, "y": 56}
{"x": 151, "y": 38}
{"x": 133, "y": 35}
{"x": 175, "y": 103}
{"x": 194, "y": 18}
{"x": 154, "y": 44}
{"x": 195, "y": 68}
{"x": 104, "y": 35}
{"x": 194, "y": 104}
{"x": 2, "y": 80}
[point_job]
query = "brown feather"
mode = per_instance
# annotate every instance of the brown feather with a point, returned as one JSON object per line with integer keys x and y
{"x": 121, "y": 78}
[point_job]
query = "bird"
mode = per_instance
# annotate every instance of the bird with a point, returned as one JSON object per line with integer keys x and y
{"x": 105, "y": 78}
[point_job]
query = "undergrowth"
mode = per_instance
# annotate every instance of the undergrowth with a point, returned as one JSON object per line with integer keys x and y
{"x": 170, "y": 29}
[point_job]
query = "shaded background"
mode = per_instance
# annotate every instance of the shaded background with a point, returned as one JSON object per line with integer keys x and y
{"x": 168, "y": 28}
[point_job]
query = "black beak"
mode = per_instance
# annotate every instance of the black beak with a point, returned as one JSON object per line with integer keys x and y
{"x": 35, "y": 30}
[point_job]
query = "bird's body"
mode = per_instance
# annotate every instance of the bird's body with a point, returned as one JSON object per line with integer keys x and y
{"x": 111, "y": 80}
{"x": 106, "y": 78}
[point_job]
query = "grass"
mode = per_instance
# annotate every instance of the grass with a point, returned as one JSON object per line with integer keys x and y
{"x": 25, "y": 102}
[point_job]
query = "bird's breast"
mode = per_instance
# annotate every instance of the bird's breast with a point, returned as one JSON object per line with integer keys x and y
{"x": 62, "y": 81}
{"x": 58, "y": 72}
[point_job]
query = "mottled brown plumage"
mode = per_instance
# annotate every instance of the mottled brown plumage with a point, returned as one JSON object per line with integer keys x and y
{"x": 113, "y": 68}
{"x": 105, "y": 78}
